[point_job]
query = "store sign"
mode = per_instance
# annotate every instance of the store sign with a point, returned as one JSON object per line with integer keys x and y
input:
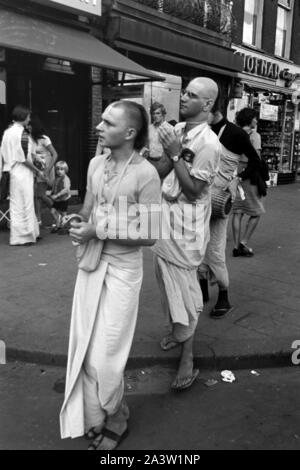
{"x": 266, "y": 69}
{"x": 261, "y": 67}
{"x": 92, "y": 7}
{"x": 268, "y": 112}
{"x": 288, "y": 77}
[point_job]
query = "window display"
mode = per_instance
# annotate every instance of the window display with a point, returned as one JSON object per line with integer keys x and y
{"x": 277, "y": 135}
{"x": 279, "y": 127}
{"x": 297, "y": 152}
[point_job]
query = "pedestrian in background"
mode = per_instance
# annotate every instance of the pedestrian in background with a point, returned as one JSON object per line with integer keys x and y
{"x": 15, "y": 151}
{"x": 158, "y": 115}
{"x": 235, "y": 143}
{"x": 44, "y": 157}
{"x": 254, "y": 187}
{"x": 60, "y": 194}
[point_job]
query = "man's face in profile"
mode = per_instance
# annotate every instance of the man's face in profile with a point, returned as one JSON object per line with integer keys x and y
{"x": 113, "y": 129}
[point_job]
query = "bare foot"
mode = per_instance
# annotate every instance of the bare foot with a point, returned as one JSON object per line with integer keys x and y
{"x": 185, "y": 371}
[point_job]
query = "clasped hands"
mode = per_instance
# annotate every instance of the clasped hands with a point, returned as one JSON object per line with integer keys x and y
{"x": 170, "y": 141}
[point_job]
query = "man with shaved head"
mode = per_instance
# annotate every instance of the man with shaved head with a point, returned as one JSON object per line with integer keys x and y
{"x": 109, "y": 279}
{"x": 192, "y": 158}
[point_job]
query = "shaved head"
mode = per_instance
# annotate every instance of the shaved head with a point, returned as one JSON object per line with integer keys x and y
{"x": 198, "y": 99}
{"x": 207, "y": 86}
{"x": 129, "y": 119}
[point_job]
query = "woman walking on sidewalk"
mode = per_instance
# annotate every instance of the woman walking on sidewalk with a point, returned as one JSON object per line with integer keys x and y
{"x": 254, "y": 186}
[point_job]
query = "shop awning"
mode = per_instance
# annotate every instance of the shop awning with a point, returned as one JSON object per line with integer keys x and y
{"x": 53, "y": 40}
{"x": 201, "y": 65}
{"x": 183, "y": 45}
{"x": 264, "y": 86}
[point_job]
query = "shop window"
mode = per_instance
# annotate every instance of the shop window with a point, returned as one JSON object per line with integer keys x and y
{"x": 283, "y": 28}
{"x": 2, "y": 92}
{"x": 252, "y": 30}
{"x": 277, "y": 124}
{"x": 58, "y": 65}
{"x": 276, "y": 127}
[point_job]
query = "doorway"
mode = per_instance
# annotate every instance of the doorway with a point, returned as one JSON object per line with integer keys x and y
{"x": 60, "y": 100}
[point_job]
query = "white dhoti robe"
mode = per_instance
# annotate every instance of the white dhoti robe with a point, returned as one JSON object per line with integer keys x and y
{"x": 181, "y": 297}
{"x": 24, "y": 226}
{"x": 104, "y": 315}
{"x": 23, "y": 222}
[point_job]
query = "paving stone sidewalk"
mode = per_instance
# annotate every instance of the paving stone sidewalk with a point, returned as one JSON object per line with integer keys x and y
{"x": 36, "y": 286}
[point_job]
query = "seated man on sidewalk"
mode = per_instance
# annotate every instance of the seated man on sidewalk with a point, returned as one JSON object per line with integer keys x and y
{"x": 234, "y": 142}
{"x": 106, "y": 296}
{"x": 187, "y": 214}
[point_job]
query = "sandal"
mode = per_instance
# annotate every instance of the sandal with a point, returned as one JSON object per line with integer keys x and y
{"x": 112, "y": 436}
{"x": 186, "y": 382}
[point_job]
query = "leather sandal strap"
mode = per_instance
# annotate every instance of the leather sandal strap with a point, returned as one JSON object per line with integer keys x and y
{"x": 111, "y": 435}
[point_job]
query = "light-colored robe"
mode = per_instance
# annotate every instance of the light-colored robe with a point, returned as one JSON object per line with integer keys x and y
{"x": 180, "y": 254}
{"x": 105, "y": 306}
{"x": 23, "y": 222}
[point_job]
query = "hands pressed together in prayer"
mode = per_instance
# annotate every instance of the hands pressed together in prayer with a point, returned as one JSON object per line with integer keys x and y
{"x": 170, "y": 141}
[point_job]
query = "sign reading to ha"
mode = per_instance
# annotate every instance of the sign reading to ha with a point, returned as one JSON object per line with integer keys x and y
{"x": 91, "y": 7}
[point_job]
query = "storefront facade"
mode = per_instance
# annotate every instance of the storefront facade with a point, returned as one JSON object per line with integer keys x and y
{"x": 52, "y": 59}
{"x": 171, "y": 46}
{"x": 272, "y": 87}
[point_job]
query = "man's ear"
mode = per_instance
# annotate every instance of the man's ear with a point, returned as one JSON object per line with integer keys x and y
{"x": 209, "y": 105}
{"x": 131, "y": 133}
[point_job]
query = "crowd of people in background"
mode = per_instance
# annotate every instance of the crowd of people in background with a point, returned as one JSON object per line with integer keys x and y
{"x": 36, "y": 178}
{"x": 173, "y": 166}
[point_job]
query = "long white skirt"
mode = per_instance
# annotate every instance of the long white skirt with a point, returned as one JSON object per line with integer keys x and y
{"x": 104, "y": 315}
{"x": 24, "y": 226}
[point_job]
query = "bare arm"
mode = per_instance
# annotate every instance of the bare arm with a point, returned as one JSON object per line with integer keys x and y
{"x": 163, "y": 166}
{"x": 82, "y": 232}
{"x": 191, "y": 187}
{"x": 87, "y": 207}
{"x": 25, "y": 148}
{"x": 54, "y": 156}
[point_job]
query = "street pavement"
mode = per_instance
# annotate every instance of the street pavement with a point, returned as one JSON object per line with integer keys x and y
{"x": 36, "y": 287}
{"x": 259, "y": 411}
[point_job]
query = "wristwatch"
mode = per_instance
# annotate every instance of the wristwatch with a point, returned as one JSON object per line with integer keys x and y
{"x": 176, "y": 158}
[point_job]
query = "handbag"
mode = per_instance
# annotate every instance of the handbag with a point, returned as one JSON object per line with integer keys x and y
{"x": 221, "y": 203}
{"x": 88, "y": 254}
